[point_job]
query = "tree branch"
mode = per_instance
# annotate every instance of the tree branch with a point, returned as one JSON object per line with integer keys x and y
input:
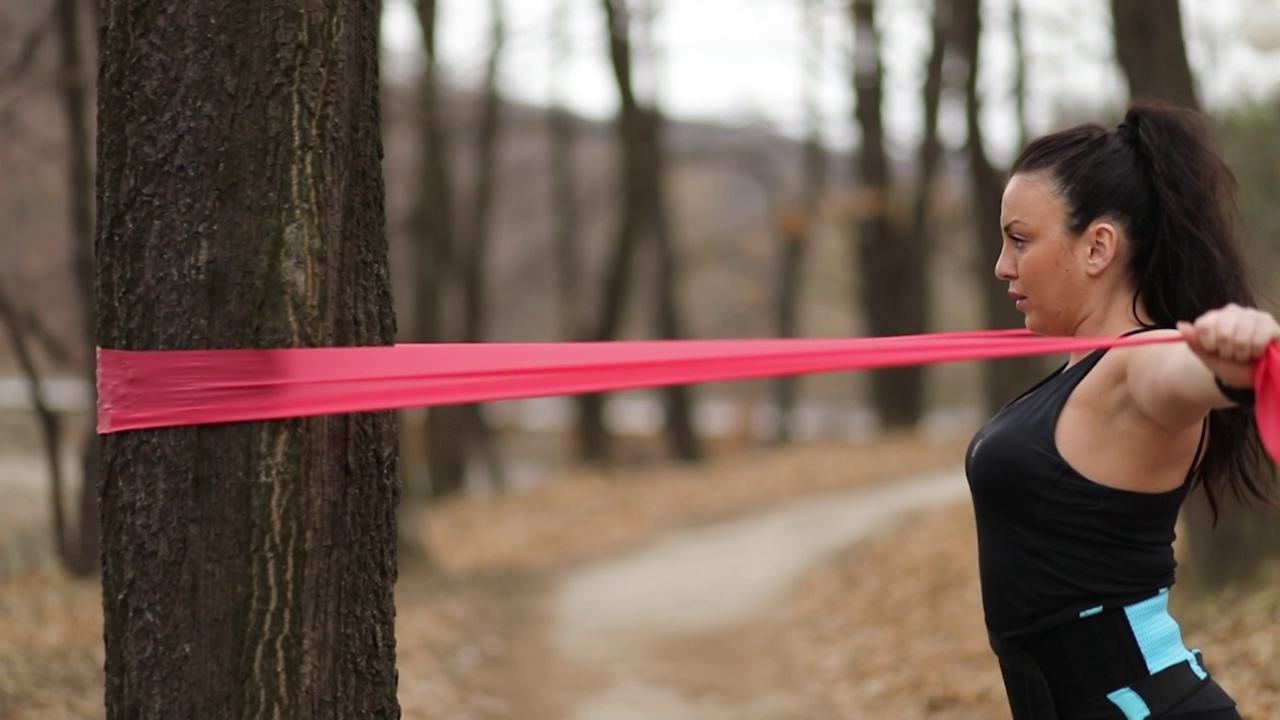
{"x": 50, "y": 424}
{"x": 11, "y": 73}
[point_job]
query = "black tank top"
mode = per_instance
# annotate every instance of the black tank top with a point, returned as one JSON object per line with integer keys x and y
{"x": 1051, "y": 541}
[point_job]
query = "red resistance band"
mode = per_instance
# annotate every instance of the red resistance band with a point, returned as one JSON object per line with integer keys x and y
{"x": 151, "y": 389}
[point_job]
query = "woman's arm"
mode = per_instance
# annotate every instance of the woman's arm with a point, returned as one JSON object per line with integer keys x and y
{"x": 1174, "y": 385}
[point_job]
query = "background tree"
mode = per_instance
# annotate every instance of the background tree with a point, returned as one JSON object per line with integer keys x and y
{"x": 434, "y": 260}
{"x": 890, "y": 265}
{"x": 81, "y": 556}
{"x": 69, "y": 550}
{"x": 1152, "y": 53}
{"x": 799, "y": 223}
{"x": 1018, "y": 27}
{"x": 668, "y": 320}
{"x": 249, "y": 567}
{"x": 1004, "y": 379}
{"x": 563, "y": 140}
{"x": 76, "y": 542}
{"x": 642, "y": 217}
{"x": 473, "y": 250}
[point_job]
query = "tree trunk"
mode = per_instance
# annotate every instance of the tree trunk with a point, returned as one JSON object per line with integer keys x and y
{"x": 1004, "y": 378}
{"x": 892, "y": 265}
{"x": 248, "y": 568}
{"x": 682, "y": 437}
{"x": 82, "y": 556}
{"x": 930, "y": 152}
{"x": 50, "y": 432}
{"x": 1019, "y": 70}
{"x": 564, "y": 185}
{"x": 482, "y": 440}
{"x": 433, "y": 263}
{"x": 593, "y": 437}
{"x": 1235, "y": 547}
{"x": 1152, "y": 51}
{"x": 797, "y": 226}
{"x": 930, "y": 146}
{"x": 594, "y": 441}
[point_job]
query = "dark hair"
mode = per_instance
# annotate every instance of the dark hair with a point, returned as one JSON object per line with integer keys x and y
{"x": 1159, "y": 178}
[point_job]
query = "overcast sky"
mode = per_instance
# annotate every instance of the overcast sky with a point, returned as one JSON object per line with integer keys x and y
{"x": 741, "y": 60}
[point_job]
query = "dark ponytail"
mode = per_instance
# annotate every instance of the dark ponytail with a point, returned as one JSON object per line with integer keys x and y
{"x": 1158, "y": 176}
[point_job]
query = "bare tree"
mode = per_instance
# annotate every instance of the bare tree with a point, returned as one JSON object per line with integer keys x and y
{"x": 1004, "y": 378}
{"x": 473, "y": 250}
{"x": 81, "y": 557}
{"x": 682, "y": 437}
{"x": 435, "y": 263}
{"x": 642, "y": 216}
{"x": 17, "y": 68}
{"x": 1152, "y": 51}
{"x": 50, "y": 432}
{"x": 1152, "y": 54}
{"x": 564, "y": 183}
{"x": 930, "y": 151}
{"x": 797, "y": 225}
{"x": 1017, "y": 25}
{"x": 76, "y": 543}
{"x": 891, "y": 264}
{"x": 594, "y": 442}
{"x": 248, "y": 568}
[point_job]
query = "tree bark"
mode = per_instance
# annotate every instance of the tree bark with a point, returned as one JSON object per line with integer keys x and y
{"x": 82, "y": 554}
{"x": 248, "y": 568}
{"x": 892, "y": 266}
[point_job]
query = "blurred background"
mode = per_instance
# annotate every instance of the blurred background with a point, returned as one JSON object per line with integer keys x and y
{"x": 608, "y": 169}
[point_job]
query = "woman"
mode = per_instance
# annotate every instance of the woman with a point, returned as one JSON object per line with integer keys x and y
{"x": 1078, "y": 482}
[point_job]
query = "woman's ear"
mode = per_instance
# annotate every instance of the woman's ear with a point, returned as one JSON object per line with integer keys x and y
{"x": 1101, "y": 246}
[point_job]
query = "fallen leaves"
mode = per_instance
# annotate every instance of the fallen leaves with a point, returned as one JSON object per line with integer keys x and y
{"x": 592, "y": 512}
{"x": 894, "y": 629}
{"x": 890, "y": 629}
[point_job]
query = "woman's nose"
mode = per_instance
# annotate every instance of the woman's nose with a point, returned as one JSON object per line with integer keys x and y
{"x": 1004, "y": 266}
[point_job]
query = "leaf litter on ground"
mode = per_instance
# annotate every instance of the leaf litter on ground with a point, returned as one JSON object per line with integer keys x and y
{"x": 894, "y": 624}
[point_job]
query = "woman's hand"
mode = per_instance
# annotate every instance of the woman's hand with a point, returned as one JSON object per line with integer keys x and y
{"x": 1230, "y": 340}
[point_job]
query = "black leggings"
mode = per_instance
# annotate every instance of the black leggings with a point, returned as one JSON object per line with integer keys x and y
{"x": 1208, "y": 703}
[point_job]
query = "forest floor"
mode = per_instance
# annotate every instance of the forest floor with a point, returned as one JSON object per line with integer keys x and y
{"x": 759, "y": 586}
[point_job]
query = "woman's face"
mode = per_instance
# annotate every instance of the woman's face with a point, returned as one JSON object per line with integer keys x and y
{"x": 1039, "y": 259}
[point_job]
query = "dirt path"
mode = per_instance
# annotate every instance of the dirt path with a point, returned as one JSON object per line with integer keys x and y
{"x": 680, "y": 629}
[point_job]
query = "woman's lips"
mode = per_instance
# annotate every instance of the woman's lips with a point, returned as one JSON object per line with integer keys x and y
{"x": 1018, "y": 299}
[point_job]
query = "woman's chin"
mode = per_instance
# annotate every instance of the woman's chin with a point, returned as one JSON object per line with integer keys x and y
{"x": 1032, "y": 325}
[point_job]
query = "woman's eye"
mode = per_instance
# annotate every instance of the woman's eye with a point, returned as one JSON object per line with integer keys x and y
{"x": 1019, "y": 242}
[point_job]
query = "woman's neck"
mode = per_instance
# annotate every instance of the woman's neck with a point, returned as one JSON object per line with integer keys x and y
{"x": 1112, "y": 319}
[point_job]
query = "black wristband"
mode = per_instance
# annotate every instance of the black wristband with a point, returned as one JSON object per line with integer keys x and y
{"x": 1244, "y": 397}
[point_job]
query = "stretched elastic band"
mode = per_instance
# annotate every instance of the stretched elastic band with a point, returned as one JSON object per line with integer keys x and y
{"x": 139, "y": 389}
